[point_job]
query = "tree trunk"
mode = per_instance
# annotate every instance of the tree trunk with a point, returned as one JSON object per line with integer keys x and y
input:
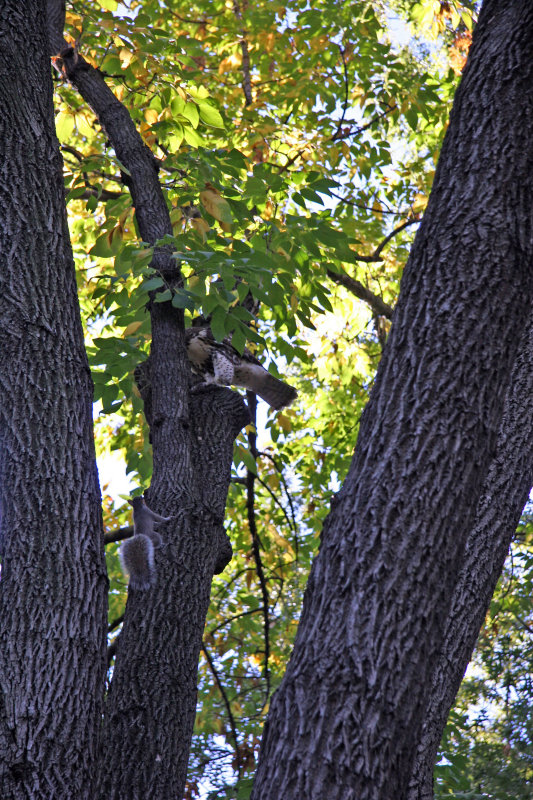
{"x": 346, "y": 720}
{"x": 504, "y": 495}
{"x": 154, "y": 678}
{"x": 152, "y": 702}
{"x": 53, "y": 590}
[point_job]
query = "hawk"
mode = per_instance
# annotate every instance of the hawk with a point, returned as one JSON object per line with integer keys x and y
{"x": 220, "y": 363}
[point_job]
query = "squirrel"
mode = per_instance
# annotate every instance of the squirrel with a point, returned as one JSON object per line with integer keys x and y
{"x": 137, "y": 553}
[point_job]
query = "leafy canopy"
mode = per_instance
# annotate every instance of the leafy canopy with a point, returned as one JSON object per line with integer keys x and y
{"x": 296, "y": 147}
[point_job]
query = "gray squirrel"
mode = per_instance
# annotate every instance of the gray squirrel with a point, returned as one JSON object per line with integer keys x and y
{"x": 137, "y": 553}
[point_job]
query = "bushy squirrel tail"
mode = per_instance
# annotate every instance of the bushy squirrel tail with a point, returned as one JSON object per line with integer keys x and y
{"x": 137, "y": 558}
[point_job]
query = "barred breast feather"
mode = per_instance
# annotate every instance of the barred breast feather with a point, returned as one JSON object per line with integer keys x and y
{"x": 219, "y": 362}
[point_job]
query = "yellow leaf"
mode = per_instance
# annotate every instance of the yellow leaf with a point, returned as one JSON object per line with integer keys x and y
{"x": 285, "y": 422}
{"x": 139, "y": 71}
{"x": 126, "y": 57}
{"x": 267, "y": 40}
{"x": 83, "y": 126}
{"x": 64, "y": 125}
{"x": 230, "y": 63}
{"x": 73, "y": 19}
{"x": 147, "y": 133}
{"x": 215, "y": 205}
{"x": 201, "y": 226}
{"x": 282, "y": 542}
{"x": 273, "y": 480}
{"x": 419, "y": 203}
{"x": 132, "y": 328}
{"x": 151, "y": 116}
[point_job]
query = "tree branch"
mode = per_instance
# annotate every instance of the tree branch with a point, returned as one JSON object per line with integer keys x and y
{"x": 118, "y": 535}
{"x": 150, "y": 207}
{"x": 392, "y": 234}
{"x": 379, "y": 307}
{"x": 231, "y": 619}
{"x": 246, "y": 79}
{"x": 250, "y": 506}
{"x": 356, "y": 287}
{"x": 336, "y": 135}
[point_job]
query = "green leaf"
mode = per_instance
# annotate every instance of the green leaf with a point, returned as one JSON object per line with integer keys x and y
{"x": 163, "y": 297}
{"x": 65, "y": 125}
{"x": 249, "y": 461}
{"x": 218, "y": 323}
{"x": 184, "y": 299}
{"x": 153, "y": 283}
{"x": 210, "y": 116}
{"x": 106, "y": 246}
{"x": 192, "y": 137}
{"x": 190, "y": 112}
{"x": 412, "y": 118}
{"x": 238, "y": 339}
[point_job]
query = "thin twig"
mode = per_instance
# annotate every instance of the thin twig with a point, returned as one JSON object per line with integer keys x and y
{"x": 225, "y": 698}
{"x": 116, "y": 622}
{"x": 346, "y": 91}
{"x": 277, "y": 502}
{"x": 246, "y": 79}
{"x": 392, "y": 234}
{"x": 232, "y": 619}
{"x": 366, "y": 208}
{"x": 289, "y": 499}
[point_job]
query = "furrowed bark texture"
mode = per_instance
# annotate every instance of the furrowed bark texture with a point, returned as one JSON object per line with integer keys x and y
{"x": 504, "y": 494}
{"x": 53, "y": 589}
{"x": 345, "y": 722}
{"x": 152, "y": 702}
{"x": 151, "y": 705}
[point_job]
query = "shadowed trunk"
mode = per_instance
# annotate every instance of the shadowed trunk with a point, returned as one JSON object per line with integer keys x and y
{"x": 345, "y": 722}
{"x": 53, "y": 589}
{"x": 504, "y": 494}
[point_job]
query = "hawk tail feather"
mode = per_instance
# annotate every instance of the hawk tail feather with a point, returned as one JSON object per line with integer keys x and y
{"x": 275, "y": 392}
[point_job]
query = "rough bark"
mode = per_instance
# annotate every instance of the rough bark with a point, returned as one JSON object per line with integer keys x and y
{"x": 504, "y": 494}
{"x": 53, "y": 589}
{"x": 346, "y": 719}
{"x": 151, "y": 705}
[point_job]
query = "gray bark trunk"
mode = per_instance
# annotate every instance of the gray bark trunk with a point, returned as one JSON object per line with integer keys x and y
{"x": 504, "y": 495}
{"x": 152, "y": 701}
{"x": 53, "y": 589}
{"x": 346, "y": 720}
{"x": 151, "y": 705}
